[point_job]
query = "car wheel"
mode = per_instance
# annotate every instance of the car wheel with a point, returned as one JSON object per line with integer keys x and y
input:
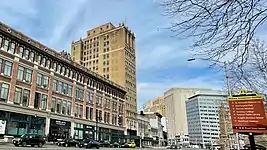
{"x": 97, "y": 147}
{"x": 40, "y": 145}
{"x": 23, "y": 144}
{"x": 16, "y": 145}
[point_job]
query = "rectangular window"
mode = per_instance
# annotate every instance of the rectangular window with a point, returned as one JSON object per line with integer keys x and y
{"x": 4, "y": 92}
{"x": 76, "y": 109}
{"x": 26, "y": 97}
{"x": 28, "y": 76}
{"x": 39, "y": 79}
{"x": 69, "y": 108}
{"x": 60, "y": 87}
{"x": 8, "y": 68}
{"x": 32, "y": 56}
{"x": 53, "y": 104}
{"x": 64, "y": 107}
{"x": 55, "y": 85}
{"x": 1, "y": 64}
{"x": 46, "y": 82}
{"x": 1, "y": 41}
{"x": 91, "y": 113}
{"x": 69, "y": 90}
{"x": 26, "y": 54}
{"x": 17, "y": 98}
{"x": 44, "y": 102}
{"x": 20, "y": 73}
{"x": 65, "y": 88}
{"x": 81, "y": 111}
{"x": 12, "y": 48}
{"x": 21, "y": 51}
{"x": 37, "y": 100}
{"x": 6, "y": 45}
{"x": 59, "y": 105}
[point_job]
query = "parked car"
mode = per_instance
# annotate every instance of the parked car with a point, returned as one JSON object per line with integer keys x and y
{"x": 69, "y": 143}
{"x": 116, "y": 145}
{"x": 104, "y": 143}
{"x": 172, "y": 147}
{"x": 90, "y": 144}
{"x": 29, "y": 139}
{"x": 131, "y": 145}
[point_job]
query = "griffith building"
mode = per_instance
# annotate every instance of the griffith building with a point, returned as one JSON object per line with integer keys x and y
{"x": 45, "y": 92}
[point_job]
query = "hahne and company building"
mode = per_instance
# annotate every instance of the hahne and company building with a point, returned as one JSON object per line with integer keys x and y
{"x": 45, "y": 92}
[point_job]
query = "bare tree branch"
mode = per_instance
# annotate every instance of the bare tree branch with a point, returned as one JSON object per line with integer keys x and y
{"x": 219, "y": 28}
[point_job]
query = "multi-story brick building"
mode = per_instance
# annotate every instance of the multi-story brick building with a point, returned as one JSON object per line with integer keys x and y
{"x": 45, "y": 92}
{"x": 110, "y": 51}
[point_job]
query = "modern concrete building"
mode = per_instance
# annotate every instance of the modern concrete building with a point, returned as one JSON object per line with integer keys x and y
{"x": 110, "y": 52}
{"x": 203, "y": 117}
{"x": 175, "y": 110}
{"x": 155, "y": 105}
{"x": 46, "y": 92}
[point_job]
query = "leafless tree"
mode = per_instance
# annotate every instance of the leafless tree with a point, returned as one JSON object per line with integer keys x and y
{"x": 253, "y": 74}
{"x": 219, "y": 28}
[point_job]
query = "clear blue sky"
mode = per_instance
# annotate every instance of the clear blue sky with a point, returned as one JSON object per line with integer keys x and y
{"x": 161, "y": 59}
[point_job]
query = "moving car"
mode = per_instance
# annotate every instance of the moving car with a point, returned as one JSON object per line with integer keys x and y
{"x": 29, "y": 139}
{"x": 69, "y": 143}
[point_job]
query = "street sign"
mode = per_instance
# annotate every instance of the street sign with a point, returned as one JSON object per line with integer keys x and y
{"x": 247, "y": 113}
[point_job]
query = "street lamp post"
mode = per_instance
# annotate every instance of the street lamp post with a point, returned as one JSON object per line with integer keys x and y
{"x": 225, "y": 64}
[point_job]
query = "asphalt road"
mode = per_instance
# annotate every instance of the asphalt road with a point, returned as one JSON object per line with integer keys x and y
{"x": 54, "y": 147}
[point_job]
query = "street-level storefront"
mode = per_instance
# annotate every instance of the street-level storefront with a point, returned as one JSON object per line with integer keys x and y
{"x": 147, "y": 141}
{"x": 59, "y": 129}
{"x": 117, "y": 136}
{"x": 82, "y": 131}
{"x": 19, "y": 124}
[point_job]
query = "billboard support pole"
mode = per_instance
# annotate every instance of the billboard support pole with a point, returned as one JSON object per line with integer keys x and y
{"x": 252, "y": 141}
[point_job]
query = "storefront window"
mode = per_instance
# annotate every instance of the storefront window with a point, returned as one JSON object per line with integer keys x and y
{"x": 26, "y": 97}
{"x": 17, "y": 98}
{"x": 44, "y": 102}
{"x": 4, "y": 92}
{"x": 53, "y": 104}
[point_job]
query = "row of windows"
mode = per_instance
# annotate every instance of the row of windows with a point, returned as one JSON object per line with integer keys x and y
{"x": 31, "y": 55}
{"x": 22, "y": 97}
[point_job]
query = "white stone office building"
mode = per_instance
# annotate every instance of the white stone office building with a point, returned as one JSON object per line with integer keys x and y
{"x": 203, "y": 117}
{"x": 175, "y": 111}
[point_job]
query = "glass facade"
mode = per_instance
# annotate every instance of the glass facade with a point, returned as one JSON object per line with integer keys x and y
{"x": 19, "y": 124}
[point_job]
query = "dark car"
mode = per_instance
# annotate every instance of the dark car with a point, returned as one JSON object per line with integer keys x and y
{"x": 69, "y": 143}
{"x": 29, "y": 139}
{"x": 90, "y": 144}
{"x": 104, "y": 143}
{"x": 116, "y": 145}
{"x": 172, "y": 147}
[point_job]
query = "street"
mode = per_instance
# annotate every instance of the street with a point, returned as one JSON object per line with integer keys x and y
{"x": 54, "y": 147}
